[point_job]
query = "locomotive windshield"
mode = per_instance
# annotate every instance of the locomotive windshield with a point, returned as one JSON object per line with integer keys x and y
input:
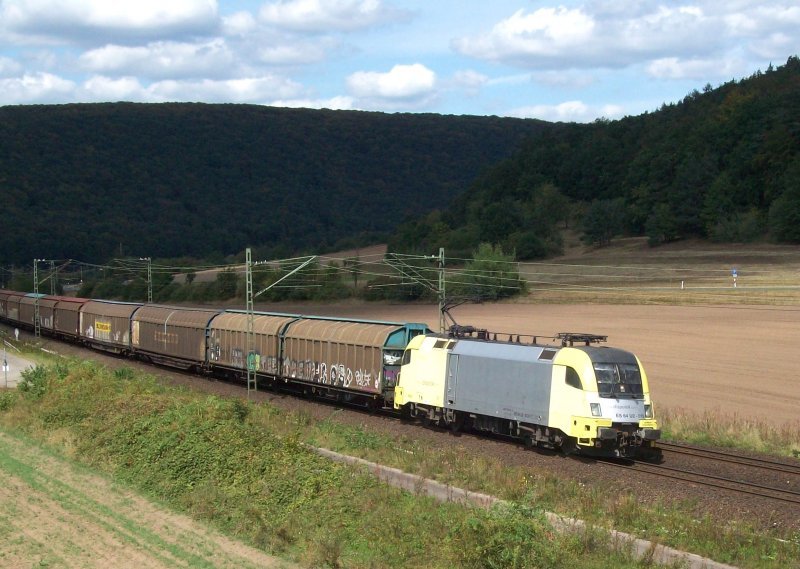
{"x": 618, "y": 380}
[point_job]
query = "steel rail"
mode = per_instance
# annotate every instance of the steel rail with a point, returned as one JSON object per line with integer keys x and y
{"x": 731, "y": 457}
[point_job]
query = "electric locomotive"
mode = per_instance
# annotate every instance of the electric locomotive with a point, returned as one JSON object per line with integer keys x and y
{"x": 581, "y": 399}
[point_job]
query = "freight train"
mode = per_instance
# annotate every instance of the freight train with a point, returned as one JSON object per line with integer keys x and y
{"x": 570, "y": 395}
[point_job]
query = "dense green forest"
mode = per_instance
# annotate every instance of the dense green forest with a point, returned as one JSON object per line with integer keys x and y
{"x": 95, "y": 181}
{"x": 722, "y": 164}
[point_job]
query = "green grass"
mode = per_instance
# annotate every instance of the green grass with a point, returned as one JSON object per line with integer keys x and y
{"x": 244, "y": 468}
{"x": 104, "y": 416}
{"x": 675, "y": 524}
{"x": 714, "y": 428}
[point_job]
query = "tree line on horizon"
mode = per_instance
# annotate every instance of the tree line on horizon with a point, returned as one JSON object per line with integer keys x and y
{"x": 97, "y": 181}
{"x": 104, "y": 180}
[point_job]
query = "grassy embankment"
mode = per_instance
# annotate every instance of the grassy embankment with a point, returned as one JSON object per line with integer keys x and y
{"x": 243, "y": 467}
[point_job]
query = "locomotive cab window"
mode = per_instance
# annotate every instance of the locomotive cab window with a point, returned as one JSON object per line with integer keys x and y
{"x": 618, "y": 380}
{"x": 572, "y": 378}
{"x": 406, "y": 357}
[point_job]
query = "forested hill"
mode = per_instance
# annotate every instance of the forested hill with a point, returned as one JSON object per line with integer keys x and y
{"x": 722, "y": 164}
{"x": 92, "y": 181}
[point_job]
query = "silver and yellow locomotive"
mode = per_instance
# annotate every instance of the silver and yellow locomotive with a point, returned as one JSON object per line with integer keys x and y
{"x": 585, "y": 399}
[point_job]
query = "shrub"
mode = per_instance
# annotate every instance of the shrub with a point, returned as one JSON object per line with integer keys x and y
{"x": 34, "y": 382}
{"x": 7, "y": 399}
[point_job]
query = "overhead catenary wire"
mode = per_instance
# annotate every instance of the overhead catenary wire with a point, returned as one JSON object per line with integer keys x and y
{"x": 571, "y": 279}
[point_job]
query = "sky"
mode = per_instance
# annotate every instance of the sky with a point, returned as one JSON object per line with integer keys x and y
{"x": 556, "y": 61}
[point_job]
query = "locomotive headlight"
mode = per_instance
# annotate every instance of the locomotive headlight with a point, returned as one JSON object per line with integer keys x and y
{"x": 648, "y": 411}
{"x": 596, "y": 412}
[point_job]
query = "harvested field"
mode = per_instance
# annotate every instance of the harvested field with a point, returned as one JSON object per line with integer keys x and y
{"x": 732, "y": 359}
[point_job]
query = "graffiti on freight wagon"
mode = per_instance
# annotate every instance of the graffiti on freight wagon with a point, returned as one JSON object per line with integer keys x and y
{"x": 334, "y": 374}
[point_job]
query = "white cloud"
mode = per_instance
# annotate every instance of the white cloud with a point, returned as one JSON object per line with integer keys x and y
{"x": 60, "y": 20}
{"x": 295, "y": 52}
{"x": 328, "y": 15}
{"x": 470, "y": 79}
{"x": 255, "y": 90}
{"x": 9, "y": 67}
{"x": 239, "y": 24}
{"x": 99, "y": 88}
{"x": 163, "y": 59}
{"x": 35, "y": 88}
{"x": 402, "y": 82}
{"x": 776, "y": 45}
{"x": 568, "y": 111}
{"x": 695, "y": 69}
{"x": 621, "y": 33}
{"x": 334, "y": 103}
{"x": 543, "y": 33}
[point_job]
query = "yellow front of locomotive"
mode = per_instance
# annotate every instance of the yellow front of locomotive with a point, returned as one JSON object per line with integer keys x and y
{"x": 601, "y": 401}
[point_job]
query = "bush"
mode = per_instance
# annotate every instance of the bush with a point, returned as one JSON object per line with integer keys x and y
{"x": 505, "y": 537}
{"x": 34, "y": 382}
{"x": 7, "y": 399}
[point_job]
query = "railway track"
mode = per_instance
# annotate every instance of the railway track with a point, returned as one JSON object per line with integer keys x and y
{"x": 723, "y": 456}
{"x": 781, "y": 482}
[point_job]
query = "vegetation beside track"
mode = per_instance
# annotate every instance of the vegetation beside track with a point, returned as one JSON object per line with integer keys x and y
{"x": 80, "y": 407}
{"x": 714, "y": 428}
{"x": 244, "y": 468}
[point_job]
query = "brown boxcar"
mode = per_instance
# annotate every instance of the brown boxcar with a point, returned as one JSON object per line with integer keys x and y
{"x": 4, "y": 296}
{"x": 27, "y": 310}
{"x": 107, "y": 324}
{"x": 170, "y": 334}
{"x": 227, "y": 341}
{"x": 67, "y": 313}
{"x": 12, "y": 305}
{"x": 341, "y": 354}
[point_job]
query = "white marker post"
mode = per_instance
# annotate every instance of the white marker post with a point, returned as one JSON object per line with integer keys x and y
{"x": 734, "y": 275}
{"x": 5, "y": 364}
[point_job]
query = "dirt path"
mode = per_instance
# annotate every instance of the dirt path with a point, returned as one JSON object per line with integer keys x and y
{"x": 55, "y": 514}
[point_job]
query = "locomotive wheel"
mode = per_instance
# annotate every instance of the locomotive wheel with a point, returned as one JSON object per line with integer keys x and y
{"x": 568, "y": 445}
{"x": 457, "y": 423}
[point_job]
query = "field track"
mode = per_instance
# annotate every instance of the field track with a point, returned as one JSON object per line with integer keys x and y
{"x": 55, "y": 514}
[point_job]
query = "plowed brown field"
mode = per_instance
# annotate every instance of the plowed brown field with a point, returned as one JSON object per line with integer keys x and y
{"x": 732, "y": 359}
